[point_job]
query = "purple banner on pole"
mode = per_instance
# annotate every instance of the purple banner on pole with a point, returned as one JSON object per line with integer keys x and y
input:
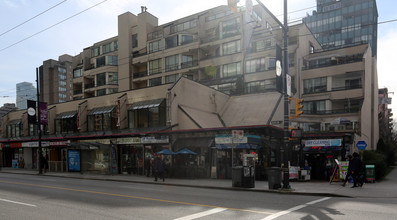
{"x": 43, "y": 113}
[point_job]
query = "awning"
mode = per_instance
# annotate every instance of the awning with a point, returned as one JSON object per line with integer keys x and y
{"x": 146, "y": 104}
{"x": 102, "y": 110}
{"x": 238, "y": 146}
{"x": 66, "y": 115}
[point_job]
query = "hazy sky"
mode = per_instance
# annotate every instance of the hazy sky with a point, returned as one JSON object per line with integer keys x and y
{"x": 68, "y": 29}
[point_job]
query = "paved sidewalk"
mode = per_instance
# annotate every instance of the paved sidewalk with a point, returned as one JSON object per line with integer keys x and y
{"x": 385, "y": 189}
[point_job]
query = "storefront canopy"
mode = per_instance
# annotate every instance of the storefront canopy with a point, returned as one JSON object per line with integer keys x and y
{"x": 238, "y": 146}
{"x": 186, "y": 151}
{"x": 66, "y": 115}
{"x": 166, "y": 152}
{"x": 146, "y": 104}
{"x": 102, "y": 110}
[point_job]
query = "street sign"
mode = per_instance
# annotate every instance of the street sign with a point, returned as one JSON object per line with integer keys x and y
{"x": 361, "y": 145}
{"x": 238, "y": 134}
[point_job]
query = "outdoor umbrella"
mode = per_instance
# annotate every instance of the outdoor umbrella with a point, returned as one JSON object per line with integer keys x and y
{"x": 166, "y": 152}
{"x": 186, "y": 152}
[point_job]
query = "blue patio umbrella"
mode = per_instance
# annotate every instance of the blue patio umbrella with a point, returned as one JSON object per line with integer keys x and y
{"x": 186, "y": 151}
{"x": 166, "y": 152}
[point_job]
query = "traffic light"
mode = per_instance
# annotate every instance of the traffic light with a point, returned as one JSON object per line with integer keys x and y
{"x": 298, "y": 107}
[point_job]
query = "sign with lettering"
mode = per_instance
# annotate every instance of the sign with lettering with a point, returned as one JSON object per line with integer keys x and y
{"x": 323, "y": 142}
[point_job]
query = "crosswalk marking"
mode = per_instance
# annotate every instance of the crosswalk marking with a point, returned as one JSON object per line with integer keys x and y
{"x": 202, "y": 214}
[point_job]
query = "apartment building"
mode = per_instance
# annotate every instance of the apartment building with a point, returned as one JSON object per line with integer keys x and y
{"x": 190, "y": 82}
{"x": 339, "y": 23}
{"x": 55, "y": 77}
{"x": 385, "y": 113}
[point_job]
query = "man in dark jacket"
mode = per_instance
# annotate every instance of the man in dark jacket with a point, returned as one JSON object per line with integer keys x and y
{"x": 356, "y": 168}
{"x": 158, "y": 168}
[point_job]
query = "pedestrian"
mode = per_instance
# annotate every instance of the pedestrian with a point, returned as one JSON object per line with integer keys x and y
{"x": 147, "y": 166}
{"x": 356, "y": 168}
{"x": 45, "y": 162}
{"x": 158, "y": 168}
{"x": 349, "y": 170}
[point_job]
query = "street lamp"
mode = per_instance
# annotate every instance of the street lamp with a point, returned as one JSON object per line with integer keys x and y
{"x": 285, "y": 148}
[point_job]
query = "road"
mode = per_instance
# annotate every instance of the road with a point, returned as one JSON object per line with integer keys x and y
{"x": 46, "y": 197}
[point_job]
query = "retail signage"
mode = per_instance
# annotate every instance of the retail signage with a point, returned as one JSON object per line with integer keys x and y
{"x": 323, "y": 142}
{"x": 99, "y": 141}
{"x": 35, "y": 144}
{"x": 153, "y": 140}
{"x": 361, "y": 145}
{"x": 230, "y": 140}
{"x": 59, "y": 143}
{"x": 15, "y": 145}
{"x": 130, "y": 140}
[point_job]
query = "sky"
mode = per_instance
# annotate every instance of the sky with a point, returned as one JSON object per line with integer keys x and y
{"x": 32, "y": 31}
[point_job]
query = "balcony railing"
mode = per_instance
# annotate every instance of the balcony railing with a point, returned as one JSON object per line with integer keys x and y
{"x": 330, "y": 112}
{"x": 335, "y": 61}
{"x": 140, "y": 74}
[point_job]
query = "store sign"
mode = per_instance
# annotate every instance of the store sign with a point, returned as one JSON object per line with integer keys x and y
{"x": 35, "y": 144}
{"x": 99, "y": 141}
{"x": 230, "y": 140}
{"x": 153, "y": 140}
{"x": 59, "y": 143}
{"x": 130, "y": 140}
{"x": 323, "y": 142}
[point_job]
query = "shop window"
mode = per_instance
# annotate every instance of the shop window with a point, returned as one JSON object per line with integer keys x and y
{"x": 144, "y": 115}
{"x": 102, "y": 119}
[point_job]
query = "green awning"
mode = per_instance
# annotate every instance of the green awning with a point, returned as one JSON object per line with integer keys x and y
{"x": 66, "y": 115}
{"x": 102, "y": 110}
{"x": 146, "y": 104}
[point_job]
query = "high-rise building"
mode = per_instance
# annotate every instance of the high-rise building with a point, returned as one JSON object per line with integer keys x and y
{"x": 56, "y": 80}
{"x": 25, "y": 91}
{"x": 340, "y": 23}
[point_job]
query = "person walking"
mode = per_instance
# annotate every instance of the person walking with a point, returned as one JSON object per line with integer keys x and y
{"x": 45, "y": 163}
{"x": 158, "y": 168}
{"x": 349, "y": 170}
{"x": 356, "y": 168}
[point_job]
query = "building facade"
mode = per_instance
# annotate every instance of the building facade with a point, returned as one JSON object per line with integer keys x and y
{"x": 340, "y": 23}
{"x": 25, "y": 91}
{"x": 55, "y": 77}
{"x": 385, "y": 113}
{"x": 189, "y": 83}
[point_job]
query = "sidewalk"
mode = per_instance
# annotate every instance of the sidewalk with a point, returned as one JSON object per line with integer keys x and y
{"x": 385, "y": 189}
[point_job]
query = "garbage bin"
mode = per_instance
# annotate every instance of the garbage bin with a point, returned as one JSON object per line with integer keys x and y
{"x": 370, "y": 173}
{"x": 237, "y": 176}
{"x": 249, "y": 177}
{"x": 274, "y": 177}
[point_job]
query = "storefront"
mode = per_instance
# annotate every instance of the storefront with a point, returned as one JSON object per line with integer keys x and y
{"x": 320, "y": 155}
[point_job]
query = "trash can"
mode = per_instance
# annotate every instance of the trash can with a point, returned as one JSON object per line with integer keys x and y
{"x": 370, "y": 173}
{"x": 249, "y": 177}
{"x": 237, "y": 176}
{"x": 274, "y": 177}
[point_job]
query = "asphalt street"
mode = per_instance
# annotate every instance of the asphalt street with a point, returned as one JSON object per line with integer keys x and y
{"x": 48, "y": 197}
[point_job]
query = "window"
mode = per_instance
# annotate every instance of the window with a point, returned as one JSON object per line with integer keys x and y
{"x": 154, "y": 46}
{"x": 95, "y": 52}
{"x": 155, "y": 35}
{"x": 135, "y": 41}
{"x": 256, "y": 65}
{"x": 315, "y": 85}
{"x": 230, "y": 28}
{"x": 102, "y": 121}
{"x": 171, "y": 42}
{"x": 155, "y": 66}
{"x": 101, "y": 79}
{"x": 187, "y": 39}
{"x": 261, "y": 86}
{"x": 112, "y": 60}
{"x": 171, "y": 78}
{"x": 113, "y": 90}
{"x": 101, "y": 92}
{"x": 231, "y": 69}
{"x": 101, "y": 61}
{"x": 14, "y": 129}
{"x": 187, "y": 61}
{"x": 183, "y": 26}
{"x": 66, "y": 124}
{"x": 353, "y": 84}
{"x": 311, "y": 49}
{"x": 231, "y": 47}
{"x": 155, "y": 81}
{"x": 315, "y": 107}
{"x": 115, "y": 45}
{"x": 272, "y": 63}
{"x": 106, "y": 48}
{"x": 147, "y": 117}
{"x": 113, "y": 78}
{"x": 259, "y": 46}
{"x": 171, "y": 63}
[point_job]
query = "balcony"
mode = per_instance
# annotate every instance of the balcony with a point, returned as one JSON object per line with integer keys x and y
{"x": 333, "y": 61}
{"x": 140, "y": 74}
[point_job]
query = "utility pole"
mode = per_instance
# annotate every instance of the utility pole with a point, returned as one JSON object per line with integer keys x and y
{"x": 285, "y": 147}
{"x": 39, "y": 123}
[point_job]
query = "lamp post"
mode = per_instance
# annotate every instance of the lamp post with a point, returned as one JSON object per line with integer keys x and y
{"x": 285, "y": 148}
{"x": 39, "y": 123}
